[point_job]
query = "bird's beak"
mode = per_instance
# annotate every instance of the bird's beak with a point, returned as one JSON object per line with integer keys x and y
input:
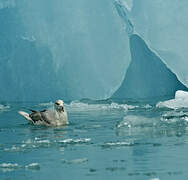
{"x": 62, "y": 108}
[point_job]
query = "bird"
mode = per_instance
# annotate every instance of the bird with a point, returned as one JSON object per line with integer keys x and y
{"x": 56, "y": 117}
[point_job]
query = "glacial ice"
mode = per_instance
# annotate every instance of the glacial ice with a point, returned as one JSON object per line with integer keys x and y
{"x": 180, "y": 101}
{"x": 65, "y": 48}
{"x": 163, "y": 25}
{"x": 147, "y": 77}
{"x": 181, "y": 95}
{"x": 80, "y": 49}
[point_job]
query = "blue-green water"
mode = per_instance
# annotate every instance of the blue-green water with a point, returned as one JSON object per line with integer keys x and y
{"x": 103, "y": 141}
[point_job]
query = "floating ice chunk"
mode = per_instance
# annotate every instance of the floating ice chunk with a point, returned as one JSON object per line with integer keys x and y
{"x": 147, "y": 106}
{"x": 5, "y": 167}
{"x": 4, "y": 108}
{"x": 33, "y": 166}
{"x": 9, "y": 165}
{"x": 14, "y": 166}
{"x": 117, "y": 144}
{"x": 14, "y": 148}
{"x": 79, "y": 106}
{"x": 180, "y": 101}
{"x": 181, "y": 95}
{"x": 137, "y": 121}
{"x": 45, "y": 141}
{"x": 31, "y": 39}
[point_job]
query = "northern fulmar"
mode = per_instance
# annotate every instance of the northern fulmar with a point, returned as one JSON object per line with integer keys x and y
{"x": 56, "y": 117}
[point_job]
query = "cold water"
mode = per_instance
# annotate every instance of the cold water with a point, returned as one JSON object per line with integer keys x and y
{"x": 105, "y": 140}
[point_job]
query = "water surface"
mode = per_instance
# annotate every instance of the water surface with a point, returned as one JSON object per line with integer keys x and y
{"x": 105, "y": 140}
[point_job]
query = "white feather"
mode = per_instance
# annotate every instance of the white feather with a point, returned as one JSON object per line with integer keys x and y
{"x": 25, "y": 115}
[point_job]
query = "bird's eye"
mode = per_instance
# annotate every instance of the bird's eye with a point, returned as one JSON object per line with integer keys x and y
{"x": 57, "y": 103}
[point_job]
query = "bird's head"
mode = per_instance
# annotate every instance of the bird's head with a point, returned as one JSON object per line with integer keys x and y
{"x": 59, "y": 105}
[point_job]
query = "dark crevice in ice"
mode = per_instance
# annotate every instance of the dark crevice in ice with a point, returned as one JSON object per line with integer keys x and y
{"x": 147, "y": 77}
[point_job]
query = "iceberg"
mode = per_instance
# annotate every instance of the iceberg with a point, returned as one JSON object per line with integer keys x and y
{"x": 80, "y": 49}
{"x": 62, "y": 49}
{"x": 163, "y": 25}
{"x": 147, "y": 76}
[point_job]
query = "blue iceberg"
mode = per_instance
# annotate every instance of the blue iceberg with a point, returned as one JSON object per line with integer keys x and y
{"x": 147, "y": 76}
{"x": 80, "y": 49}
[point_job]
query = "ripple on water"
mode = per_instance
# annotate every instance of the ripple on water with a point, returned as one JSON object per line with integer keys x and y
{"x": 14, "y": 148}
{"x": 117, "y": 144}
{"x": 33, "y": 166}
{"x": 174, "y": 119}
{"x": 74, "y": 141}
{"x": 112, "y": 169}
{"x": 137, "y": 121}
{"x": 128, "y": 144}
{"x": 36, "y": 143}
{"x": 154, "y": 174}
{"x": 176, "y": 115}
{"x": 75, "y": 161}
{"x": 80, "y": 106}
{"x": 7, "y": 167}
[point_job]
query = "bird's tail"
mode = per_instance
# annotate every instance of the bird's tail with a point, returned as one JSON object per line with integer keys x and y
{"x": 25, "y": 115}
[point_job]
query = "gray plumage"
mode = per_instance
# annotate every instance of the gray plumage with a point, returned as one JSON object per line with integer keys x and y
{"x": 56, "y": 117}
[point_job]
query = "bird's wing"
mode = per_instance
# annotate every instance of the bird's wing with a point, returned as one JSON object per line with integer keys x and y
{"x": 25, "y": 115}
{"x": 47, "y": 116}
{"x": 36, "y": 116}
